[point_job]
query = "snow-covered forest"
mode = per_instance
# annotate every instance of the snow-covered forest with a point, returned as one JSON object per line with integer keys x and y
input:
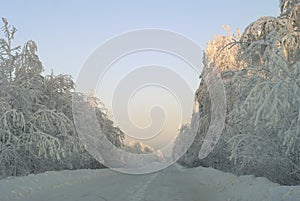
{"x": 37, "y": 132}
{"x": 260, "y": 69}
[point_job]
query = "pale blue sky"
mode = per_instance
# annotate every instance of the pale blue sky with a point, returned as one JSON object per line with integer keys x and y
{"x": 67, "y": 31}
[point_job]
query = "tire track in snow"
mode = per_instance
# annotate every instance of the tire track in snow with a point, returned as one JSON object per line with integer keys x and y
{"x": 137, "y": 193}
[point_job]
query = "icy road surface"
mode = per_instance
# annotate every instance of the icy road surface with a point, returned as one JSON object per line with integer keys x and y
{"x": 171, "y": 184}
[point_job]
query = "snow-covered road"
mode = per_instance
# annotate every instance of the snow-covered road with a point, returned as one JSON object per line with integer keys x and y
{"x": 173, "y": 183}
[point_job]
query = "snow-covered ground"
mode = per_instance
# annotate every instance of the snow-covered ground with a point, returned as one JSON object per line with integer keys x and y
{"x": 173, "y": 183}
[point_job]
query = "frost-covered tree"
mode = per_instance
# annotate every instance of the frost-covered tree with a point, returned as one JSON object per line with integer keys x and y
{"x": 262, "y": 83}
{"x": 265, "y": 120}
{"x": 37, "y": 131}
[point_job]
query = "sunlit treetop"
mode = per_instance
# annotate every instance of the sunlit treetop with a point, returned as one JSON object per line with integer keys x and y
{"x": 287, "y": 7}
